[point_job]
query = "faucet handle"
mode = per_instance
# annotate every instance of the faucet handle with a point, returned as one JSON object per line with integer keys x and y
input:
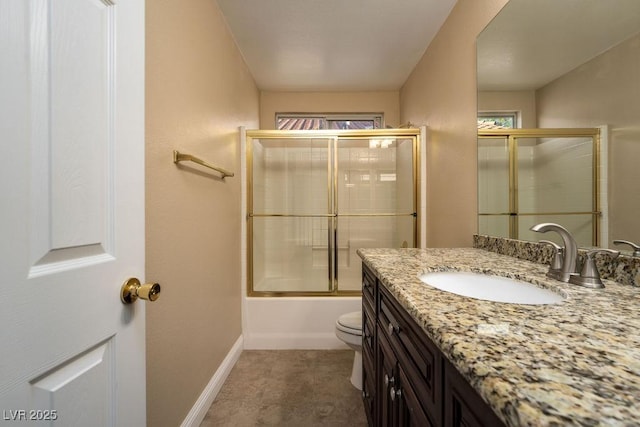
{"x": 589, "y": 275}
{"x": 558, "y": 254}
{"x": 636, "y": 248}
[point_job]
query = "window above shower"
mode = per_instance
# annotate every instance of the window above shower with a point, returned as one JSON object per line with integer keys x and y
{"x": 357, "y": 121}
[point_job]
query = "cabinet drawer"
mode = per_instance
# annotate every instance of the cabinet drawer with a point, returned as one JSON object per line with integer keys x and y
{"x": 368, "y": 288}
{"x": 419, "y": 357}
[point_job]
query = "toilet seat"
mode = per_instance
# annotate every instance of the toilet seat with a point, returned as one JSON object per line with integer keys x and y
{"x": 350, "y": 323}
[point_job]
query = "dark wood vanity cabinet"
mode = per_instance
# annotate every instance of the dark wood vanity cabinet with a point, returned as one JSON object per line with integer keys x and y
{"x": 369, "y": 345}
{"x": 406, "y": 379}
{"x": 462, "y": 405}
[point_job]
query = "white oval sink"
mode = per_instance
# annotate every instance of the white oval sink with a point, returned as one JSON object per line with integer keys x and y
{"x": 490, "y": 288}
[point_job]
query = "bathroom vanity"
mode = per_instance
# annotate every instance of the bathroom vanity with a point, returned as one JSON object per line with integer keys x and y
{"x": 407, "y": 380}
{"x": 434, "y": 358}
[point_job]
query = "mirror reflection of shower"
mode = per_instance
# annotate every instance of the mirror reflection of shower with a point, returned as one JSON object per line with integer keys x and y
{"x": 528, "y": 176}
{"x": 314, "y": 200}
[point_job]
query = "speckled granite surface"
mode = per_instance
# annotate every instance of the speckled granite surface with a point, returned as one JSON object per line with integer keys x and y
{"x": 624, "y": 269}
{"x": 573, "y": 363}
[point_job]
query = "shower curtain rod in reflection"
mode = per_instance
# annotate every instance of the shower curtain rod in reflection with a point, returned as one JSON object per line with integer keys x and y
{"x": 181, "y": 157}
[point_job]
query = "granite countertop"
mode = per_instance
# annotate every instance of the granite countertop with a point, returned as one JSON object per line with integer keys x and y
{"x": 573, "y": 363}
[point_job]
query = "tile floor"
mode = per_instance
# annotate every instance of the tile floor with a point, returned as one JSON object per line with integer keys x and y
{"x": 289, "y": 388}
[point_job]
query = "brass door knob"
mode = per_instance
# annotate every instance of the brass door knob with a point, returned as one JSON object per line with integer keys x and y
{"x": 132, "y": 290}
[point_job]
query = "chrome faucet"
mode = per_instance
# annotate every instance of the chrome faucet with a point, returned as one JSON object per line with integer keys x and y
{"x": 569, "y": 251}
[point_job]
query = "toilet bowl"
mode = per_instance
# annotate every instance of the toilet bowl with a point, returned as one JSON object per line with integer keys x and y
{"x": 349, "y": 330}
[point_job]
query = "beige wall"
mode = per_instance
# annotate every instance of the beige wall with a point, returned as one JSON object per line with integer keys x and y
{"x": 605, "y": 91}
{"x": 441, "y": 94}
{"x": 386, "y": 102}
{"x": 522, "y": 101}
{"x": 198, "y": 91}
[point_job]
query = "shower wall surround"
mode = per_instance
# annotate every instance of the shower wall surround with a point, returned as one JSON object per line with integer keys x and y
{"x": 623, "y": 269}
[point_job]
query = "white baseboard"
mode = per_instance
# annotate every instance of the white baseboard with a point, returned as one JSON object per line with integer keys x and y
{"x": 292, "y": 341}
{"x": 199, "y": 410}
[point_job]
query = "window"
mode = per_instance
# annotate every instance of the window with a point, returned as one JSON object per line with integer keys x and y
{"x": 498, "y": 120}
{"x": 286, "y": 121}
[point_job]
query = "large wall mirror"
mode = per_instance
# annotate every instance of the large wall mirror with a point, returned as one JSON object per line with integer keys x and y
{"x": 570, "y": 64}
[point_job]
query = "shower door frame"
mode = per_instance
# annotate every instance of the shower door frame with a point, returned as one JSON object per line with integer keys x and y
{"x": 334, "y": 215}
{"x": 511, "y": 136}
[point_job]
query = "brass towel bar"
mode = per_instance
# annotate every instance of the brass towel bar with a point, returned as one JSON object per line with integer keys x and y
{"x": 181, "y": 157}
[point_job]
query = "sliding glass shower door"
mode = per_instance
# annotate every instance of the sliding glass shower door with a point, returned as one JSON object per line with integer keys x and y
{"x": 314, "y": 198}
{"x": 375, "y": 204}
{"x": 291, "y": 214}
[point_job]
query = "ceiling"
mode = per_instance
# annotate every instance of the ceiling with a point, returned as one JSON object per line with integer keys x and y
{"x": 532, "y": 42}
{"x": 333, "y": 45}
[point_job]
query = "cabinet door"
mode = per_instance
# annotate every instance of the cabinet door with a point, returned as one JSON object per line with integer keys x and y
{"x": 410, "y": 409}
{"x": 368, "y": 329}
{"x": 418, "y": 357}
{"x": 387, "y": 368}
{"x": 369, "y": 396}
{"x": 463, "y": 407}
{"x": 369, "y": 392}
{"x": 368, "y": 364}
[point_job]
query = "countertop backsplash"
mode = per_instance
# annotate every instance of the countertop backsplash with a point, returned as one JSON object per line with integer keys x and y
{"x": 624, "y": 269}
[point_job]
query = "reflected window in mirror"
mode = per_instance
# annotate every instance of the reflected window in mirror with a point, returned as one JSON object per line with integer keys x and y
{"x": 497, "y": 120}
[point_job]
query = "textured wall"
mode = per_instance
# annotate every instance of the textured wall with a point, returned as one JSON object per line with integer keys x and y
{"x": 441, "y": 94}
{"x": 198, "y": 91}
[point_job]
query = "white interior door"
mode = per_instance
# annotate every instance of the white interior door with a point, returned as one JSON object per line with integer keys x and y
{"x": 72, "y": 216}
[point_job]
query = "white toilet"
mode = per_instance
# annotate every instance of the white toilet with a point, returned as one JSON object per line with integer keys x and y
{"x": 349, "y": 330}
